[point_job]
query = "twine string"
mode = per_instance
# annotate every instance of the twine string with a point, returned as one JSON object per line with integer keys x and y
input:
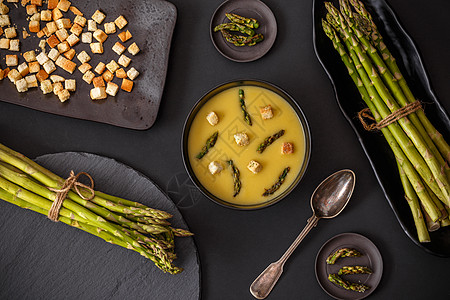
{"x": 61, "y": 194}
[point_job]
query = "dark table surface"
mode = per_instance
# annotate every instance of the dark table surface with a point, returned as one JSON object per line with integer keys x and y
{"x": 235, "y": 246}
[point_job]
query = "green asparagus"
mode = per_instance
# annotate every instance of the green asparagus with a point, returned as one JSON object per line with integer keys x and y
{"x": 250, "y": 22}
{"x": 277, "y": 185}
{"x": 247, "y": 117}
{"x": 210, "y": 142}
{"x": 269, "y": 141}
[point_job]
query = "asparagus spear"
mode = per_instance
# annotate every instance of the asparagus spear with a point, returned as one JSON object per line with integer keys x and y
{"x": 236, "y": 177}
{"x": 341, "y": 253}
{"x": 351, "y": 286}
{"x": 277, "y": 185}
{"x": 269, "y": 141}
{"x": 241, "y": 40}
{"x": 351, "y": 270}
{"x": 250, "y": 22}
{"x": 235, "y": 27}
{"x": 247, "y": 117}
{"x": 210, "y": 142}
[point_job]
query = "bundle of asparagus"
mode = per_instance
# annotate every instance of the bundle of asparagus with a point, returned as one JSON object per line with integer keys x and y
{"x": 422, "y": 154}
{"x": 129, "y": 224}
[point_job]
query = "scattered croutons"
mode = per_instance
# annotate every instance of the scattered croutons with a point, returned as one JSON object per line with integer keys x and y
{"x": 133, "y": 49}
{"x": 110, "y": 28}
{"x": 63, "y": 95}
{"x": 31, "y": 81}
{"x": 46, "y": 15}
{"x": 62, "y": 34}
{"x": 88, "y": 76}
{"x": 75, "y": 10}
{"x": 112, "y": 66}
{"x": 21, "y": 85}
{"x": 212, "y": 118}
{"x": 100, "y": 68}
{"x": 127, "y": 85}
{"x": 51, "y": 4}
{"x": 124, "y": 60}
{"x": 92, "y": 25}
{"x": 14, "y": 45}
{"x": 41, "y": 75}
{"x": 51, "y": 27}
{"x": 11, "y": 60}
{"x": 3, "y": 9}
{"x": 112, "y": 88}
{"x": 100, "y": 35}
{"x": 86, "y": 37}
{"x": 63, "y": 47}
{"x": 42, "y": 58}
{"x": 31, "y": 9}
{"x": 65, "y": 64}
{"x": 76, "y": 29}
{"x": 254, "y": 166}
{"x": 40, "y": 34}
{"x": 70, "y": 85}
{"x": 96, "y": 48}
{"x": 287, "y": 148}
{"x": 63, "y": 23}
{"x": 72, "y": 39}
{"x": 56, "y": 14}
{"x": 57, "y": 87}
{"x": 4, "y": 43}
{"x": 53, "y": 54}
{"x": 34, "y": 67}
{"x": 98, "y": 81}
{"x": 57, "y": 78}
{"x": 215, "y": 167}
{"x": 98, "y": 93}
{"x": 10, "y": 32}
{"x": 119, "y": 48}
{"x": 132, "y": 73}
{"x": 241, "y": 138}
{"x": 98, "y": 16}
{"x": 69, "y": 54}
{"x": 52, "y": 41}
{"x": 36, "y": 2}
{"x": 124, "y": 36}
{"x": 23, "y": 69}
{"x": 29, "y": 56}
{"x": 46, "y": 86}
{"x": 83, "y": 68}
{"x": 36, "y": 17}
{"x": 4, "y": 20}
{"x": 108, "y": 75}
{"x": 80, "y": 20}
{"x": 63, "y": 5}
{"x": 34, "y": 26}
{"x": 120, "y": 73}
{"x": 83, "y": 57}
{"x": 14, "y": 75}
{"x": 266, "y": 112}
{"x": 120, "y": 22}
{"x": 49, "y": 66}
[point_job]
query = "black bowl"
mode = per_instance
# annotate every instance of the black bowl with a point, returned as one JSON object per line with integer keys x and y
{"x": 219, "y": 89}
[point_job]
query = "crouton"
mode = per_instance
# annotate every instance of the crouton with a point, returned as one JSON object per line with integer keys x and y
{"x": 212, "y": 118}
{"x": 31, "y": 9}
{"x": 4, "y": 21}
{"x": 36, "y": 2}
{"x": 14, "y": 45}
{"x": 51, "y": 27}
{"x": 76, "y": 29}
{"x": 215, "y": 167}
{"x": 100, "y": 35}
{"x": 14, "y": 75}
{"x": 92, "y": 25}
{"x": 112, "y": 88}
{"x": 42, "y": 58}
{"x": 108, "y": 76}
{"x": 132, "y": 73}
{"x": 120, "y": 22}
{"x": 96, "y": 48}
{"x": 52, "y": 41}
{"x": 31, "y": 81}
{"x": 88, "y": 76}
{"x": 46, "y": 15}
{"x": 41, "y": 75}
{"x": 72, "y": 40}
{"x": 46, "y": 86}
{"x": 86, "y": 37}
{"x": 98, "y": 16}
{"x": 287, "y": 148}
{"x": 23, "y": 69}
{"x": 125, "y": 36}
{"x": 63, "y": 95}
{"x": 63, "y": 23}
{"x": 65, "y": 64}
{"x": 34, "y": 26}
{"x": 63, "y": 47}
{"x": 57, "y": 87}
{"x": 127, "y": 85}
{"x": 11, "y": 60}
{"x": 34, "y": 67}
{"x": 57, "y": 78}
{"x": 21, "y": 85}
{"x": 29, "y": 56}
{"x": 10, "y": 32}
{"x": 100, "y": 68}
{"x": 3, "y": 9}
{"x": 51, "y": 4}
{"x": 75, "y": 10}
{"x": 120, "y": 73}
{"x": 133, "y": 49}
{"x": 254, "y": 166}
{"x": 124, "y": 60}
{"x": 110, "y": 28}
{"x": 98, "y": 93}
{"x": 62, "y": 34}
{"x": 63, "y": 5}
{"x": 36, "y": 17}
{"x": 112, "y": 66}
{"x": 119, "y": 48}
{"x": 80, "y": 21}
{"x": 83, "y": 68}
{"x": 57, "y": 14}
{"x": 241, "y": 139}
{"x": 83, "y": 57}
{"x": 98, "y": 81}
{"x": 49, "y": 66}
{"x": 4, "y": 43}
{"x": 53, "y": 54}
{"x": 70, "y": 85}
{"x": 266, "y": 112}
{"x": 69, "y": 54}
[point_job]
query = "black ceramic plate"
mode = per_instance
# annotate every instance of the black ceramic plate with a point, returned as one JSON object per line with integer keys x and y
{"x": 370, "y": 257}
{"x": 248, "y": 8}
{"x": 373, "y": 144}
{"x": 150, "y": 22}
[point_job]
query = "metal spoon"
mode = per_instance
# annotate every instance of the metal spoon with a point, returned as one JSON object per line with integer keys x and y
{"x": 327, "y": 201}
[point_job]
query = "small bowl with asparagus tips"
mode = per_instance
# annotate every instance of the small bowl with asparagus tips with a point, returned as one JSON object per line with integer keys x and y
{"x": 243, "y": 30}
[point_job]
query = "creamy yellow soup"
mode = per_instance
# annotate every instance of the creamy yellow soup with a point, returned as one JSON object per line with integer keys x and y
{"x": 227, "y": 106}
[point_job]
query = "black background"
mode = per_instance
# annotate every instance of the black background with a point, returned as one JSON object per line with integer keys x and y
{"x": 235, "y": 246}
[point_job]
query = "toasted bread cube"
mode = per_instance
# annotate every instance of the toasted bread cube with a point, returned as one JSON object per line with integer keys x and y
{"x": 120, "y": 73}
{"x": 42, "y": 44}
{"x": 133, "y": 49}
{"x": 80, "y": 20}
{"x": 100, "y": 68}
{"x": 100, "y": 36}
{"x": 124, "y": 60}
{"x": 63, "y": 5}
{"x": 23, "y": 69}
{"x": 75, "y": 10}
{"x": 56, "y": 78}
{"x": 86, "y": 37}
{"x": 57, "y": 87}
{"x": 4, "y": 43}
{"x": 42, "y": 58}
{"x": 72, "y": 40}
{"x": 287, "y": 148}
{"x": 53, "y": 54}
{"x": 96, "y": 48}
{"x": 46, "y": 15}
{"x": 125, "y": 36}
{"x": 41, "y": 75}
{"x": 21, "y": 85}
{"x": 98, "y": 16}
{"x": 51, "y": 4}
{"x": 88, "y": 76}
{"x": 76, "y": 29}
{"x": 112, "y": 88}
{"x": 254, "y": 166}
{"x": 65, "y": 64}
{"x": 49, "y": 67}
{"x": 83, "y": 57}
{"x": 4, "y": 73}
{"x": 63, "y": 47}
{"x": 36, "y": 17}
{"x": 266, "y": 112}
{"x": 57, "y": 14}
{"x": 3, "y": 9}
{"x": 52, "y": 41}
{"x": 69, "y": 54}
{"x": 70, "y": 85}
{"x": 108, "y": 76}
{"x": 34, "y": 67}
{"x": 120, "y": 22}
{"x": 127, "y": 85}
{"x": 212, "y": 118}
{"x": 41, "y": 32}
{"x": 119, "y": 48}
{"x": 14, "y": 75}
{"x": 98, "y": 93}
{"x": 98, "y": 81}
{"x": 31, "y": 9}
{"x": 84, "y": 67}
{"x": 132, "y": 73}
{"x": 31, "y": 81}
{"x": 92, "y": 25}
{"x": 63, "y": 95}
{"x": 215, "y": 167}
{"x": 241, "y": 139}
{"x": 29, "y": 56}
{"x": 51, "y": 27}
{"x": 14, "y": 45}
{"x": 11, "y": 60}
{"x": 62, "y": 34}
{"x": 1, "y": 30}
{"x": 46, "y": 86}
{"x": 4, "y": 20}
{"x": 112, "y": 66}
{"x": 110, "y": 28}
{"x": 36, "y": 2}
{"x": 34, "y": 26}
{"x": 10, "y": 32}
{"x": 63, "y": 23}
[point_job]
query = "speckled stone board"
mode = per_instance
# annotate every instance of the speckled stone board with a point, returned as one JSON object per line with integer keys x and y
{"x": 47, "y": 260}
{"x": 151, "y": 24}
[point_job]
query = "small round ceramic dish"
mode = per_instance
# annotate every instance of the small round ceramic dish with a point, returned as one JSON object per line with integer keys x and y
{"x": 251, "y": 9}
{"x": 370, "y": 257}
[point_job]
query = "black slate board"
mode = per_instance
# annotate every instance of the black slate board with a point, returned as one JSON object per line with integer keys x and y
{"x": 40, "y": 259}
{"x": 150, "y": 22}
{"x": 374, "y": 145}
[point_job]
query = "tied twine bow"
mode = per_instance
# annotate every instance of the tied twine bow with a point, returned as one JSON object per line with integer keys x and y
{"x": 61, "y": 194}
{"x": 393, "y": 117}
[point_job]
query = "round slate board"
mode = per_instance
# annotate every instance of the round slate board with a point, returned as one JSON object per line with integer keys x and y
{"x": 40, "y": 259}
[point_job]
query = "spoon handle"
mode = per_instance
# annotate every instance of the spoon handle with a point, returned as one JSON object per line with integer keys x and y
{"x": 264, "y": 283}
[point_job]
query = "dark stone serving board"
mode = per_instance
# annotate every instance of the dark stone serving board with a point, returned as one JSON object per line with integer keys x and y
{"x": 150, "y": 22}
{"x": 40, "y": 259}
